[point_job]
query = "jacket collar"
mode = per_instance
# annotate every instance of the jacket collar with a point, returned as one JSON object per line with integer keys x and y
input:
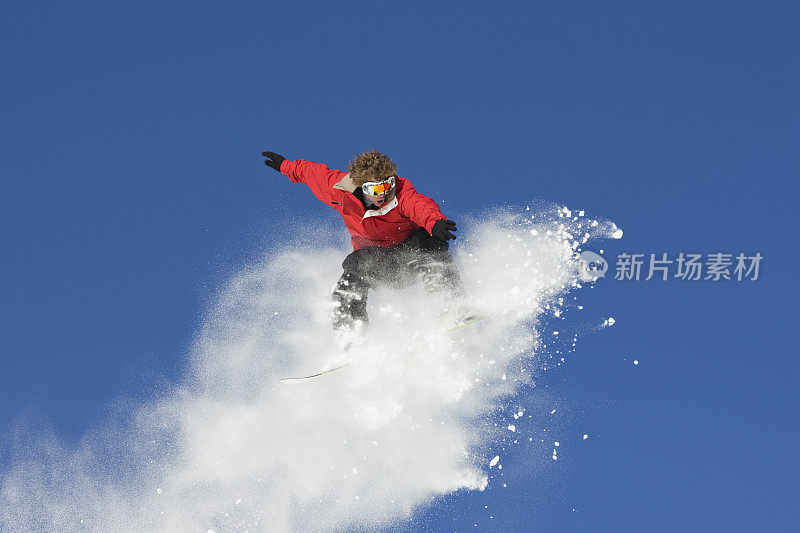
{"x": 346, "y": 184}
{"x": 382, "y": 211}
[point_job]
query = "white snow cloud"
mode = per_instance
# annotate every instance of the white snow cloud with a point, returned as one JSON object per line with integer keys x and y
{"x": 232, "y": 448}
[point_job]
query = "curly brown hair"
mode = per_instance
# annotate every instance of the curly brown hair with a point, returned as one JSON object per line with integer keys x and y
{"x": 372, "y": 165}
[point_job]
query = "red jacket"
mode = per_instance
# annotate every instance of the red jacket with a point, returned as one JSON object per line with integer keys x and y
{"x": 387, "y": 226}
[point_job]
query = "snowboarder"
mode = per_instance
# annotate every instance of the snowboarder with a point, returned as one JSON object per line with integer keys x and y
{"x": 398, "y": 235}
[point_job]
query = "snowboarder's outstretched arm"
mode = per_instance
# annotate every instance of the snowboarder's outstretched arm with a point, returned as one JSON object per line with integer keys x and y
{"x": 318, "y": 177}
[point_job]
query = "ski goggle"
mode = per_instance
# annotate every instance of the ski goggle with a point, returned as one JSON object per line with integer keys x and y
{"x": 379, "y": 188}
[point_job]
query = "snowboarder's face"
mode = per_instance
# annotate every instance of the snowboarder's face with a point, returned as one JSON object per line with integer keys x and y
{"x": 378, "y": 200}
{"x": 379, "y": 192}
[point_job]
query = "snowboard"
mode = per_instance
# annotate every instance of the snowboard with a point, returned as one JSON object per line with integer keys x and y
{"x": 312, "y": 376}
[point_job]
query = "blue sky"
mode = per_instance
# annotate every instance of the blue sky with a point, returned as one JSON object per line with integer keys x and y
{"x": 133, "y": 187}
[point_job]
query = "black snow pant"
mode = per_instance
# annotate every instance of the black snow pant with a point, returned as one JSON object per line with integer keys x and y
{"x": 418, "y": 258}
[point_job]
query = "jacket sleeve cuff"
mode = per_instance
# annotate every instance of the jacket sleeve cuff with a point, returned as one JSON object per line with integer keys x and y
{"x": 432, "y": 221}
{"x": 287, "y": 170}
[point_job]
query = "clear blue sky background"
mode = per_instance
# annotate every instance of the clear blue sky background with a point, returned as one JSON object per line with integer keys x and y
{"x": 132, "y": 186}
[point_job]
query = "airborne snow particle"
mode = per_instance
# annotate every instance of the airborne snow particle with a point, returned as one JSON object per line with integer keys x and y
{"x": 636, "y": 362}
{"x": 494, "y": 461}
{"x": 512, "y": 427}
{"x": 585, "y": 437}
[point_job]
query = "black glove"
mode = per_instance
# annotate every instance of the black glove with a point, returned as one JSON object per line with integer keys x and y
{"x": 442, "y": 229}
{"x": 273, "y": 160}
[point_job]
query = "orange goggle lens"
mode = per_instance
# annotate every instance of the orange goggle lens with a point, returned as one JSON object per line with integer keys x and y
{"x": 378, "y": 188}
